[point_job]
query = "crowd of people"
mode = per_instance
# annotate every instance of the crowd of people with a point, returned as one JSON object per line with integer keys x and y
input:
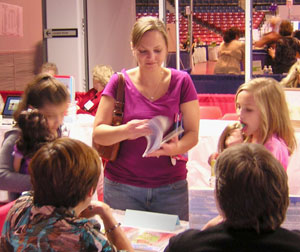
{"x": 281, "y": 44}
{"x": 52, "y": 177}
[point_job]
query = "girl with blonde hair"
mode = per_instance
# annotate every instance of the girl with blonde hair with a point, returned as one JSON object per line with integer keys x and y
{"x": 264, "y": 114}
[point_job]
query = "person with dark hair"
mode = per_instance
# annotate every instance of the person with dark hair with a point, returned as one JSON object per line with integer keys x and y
{"x": 252, "y": 196}
{"x": 287, "y": 48}
{"x": 51, "y": 98}
{"x": 34, "y": 133}
{"x": 231, "y": 53}
{"x": 269, "y": 40}
{"x": 296, "y": 34}
{"x": 54, "y": 217}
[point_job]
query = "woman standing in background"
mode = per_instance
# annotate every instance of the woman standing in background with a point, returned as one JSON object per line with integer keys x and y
{"x": 231, "y": 53}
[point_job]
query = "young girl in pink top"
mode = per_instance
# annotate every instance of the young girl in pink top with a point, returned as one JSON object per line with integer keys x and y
{"x": 264, "y": 114}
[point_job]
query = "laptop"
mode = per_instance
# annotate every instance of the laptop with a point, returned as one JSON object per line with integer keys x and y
{"x": 10, "y": 106}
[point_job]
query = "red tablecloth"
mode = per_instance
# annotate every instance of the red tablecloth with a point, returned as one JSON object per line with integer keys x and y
{"x": 224, "y": 101}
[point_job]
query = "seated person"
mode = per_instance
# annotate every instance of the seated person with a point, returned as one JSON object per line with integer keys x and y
{"x": 88, "y": 102}
{"x": 34, "y": 133}
{"x": 54, "y": 217}
{"x": 252, "y": 196}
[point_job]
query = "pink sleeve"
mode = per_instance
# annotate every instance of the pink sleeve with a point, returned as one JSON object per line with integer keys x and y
{"x": 279, "y": 150}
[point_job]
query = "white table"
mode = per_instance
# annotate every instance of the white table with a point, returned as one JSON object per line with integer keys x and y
{"x": 210, "y": 130}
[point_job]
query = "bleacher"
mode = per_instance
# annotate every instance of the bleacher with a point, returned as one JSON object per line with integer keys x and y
{"x": 210, "y": 18}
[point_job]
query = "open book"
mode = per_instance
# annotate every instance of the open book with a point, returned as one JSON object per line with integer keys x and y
{"x": 147, "y": 240}
{"x": 159, "y": 126}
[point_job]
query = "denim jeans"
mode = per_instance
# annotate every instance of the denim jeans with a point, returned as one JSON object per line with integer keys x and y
{"x": 169, "y": 199}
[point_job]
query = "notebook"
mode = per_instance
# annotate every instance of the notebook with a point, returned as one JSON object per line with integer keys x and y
{"x": 11, "y": 104}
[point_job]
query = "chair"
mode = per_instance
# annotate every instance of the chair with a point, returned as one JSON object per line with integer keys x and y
{"x": 3, "y": 212}
{"x": 210, "y": 112}
{"x": 230, "y": 116}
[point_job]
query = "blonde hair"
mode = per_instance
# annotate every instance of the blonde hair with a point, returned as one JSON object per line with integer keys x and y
{"x": 270, "y": 100}
{"x": 102, "y": 73}
{"x": 144, "y": 24}
{"x": 292, "y": 79}
{"x": 226, "y": 133}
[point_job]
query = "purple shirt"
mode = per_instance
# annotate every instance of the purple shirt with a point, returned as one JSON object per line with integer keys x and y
{"x": 130, "y": 167}
{"x": 279, "y": 150}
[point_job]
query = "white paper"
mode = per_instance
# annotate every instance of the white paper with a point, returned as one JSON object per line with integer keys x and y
{"x": 159, "y": 126}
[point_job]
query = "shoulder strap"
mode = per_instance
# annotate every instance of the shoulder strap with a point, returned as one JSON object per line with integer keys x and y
{"x": 119, "y": 104}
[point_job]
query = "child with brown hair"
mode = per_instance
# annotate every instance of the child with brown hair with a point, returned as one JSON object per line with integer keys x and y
{"x": 34, "y": 134}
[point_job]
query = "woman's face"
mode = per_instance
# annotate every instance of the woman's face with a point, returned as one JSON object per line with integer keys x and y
{"x": 98, "y": 85}
{"x": 151, "y": 51}
{"x": 54, "y": 115}
{"x": 249, "y": 114}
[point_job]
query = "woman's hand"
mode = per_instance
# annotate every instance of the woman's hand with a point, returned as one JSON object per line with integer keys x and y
{"x": 271, "y": 52}
{"x": 96, "y": 207}
{"x": 137, "y": 128}
{"x": 167, "y": 149}
{"x": 116, "y": 235}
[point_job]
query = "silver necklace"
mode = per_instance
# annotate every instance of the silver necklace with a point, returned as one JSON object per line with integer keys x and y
{"x": 152, "y": 97}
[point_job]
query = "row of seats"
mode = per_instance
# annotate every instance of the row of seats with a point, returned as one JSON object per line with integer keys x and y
{"x": 205, "y": 8}
{"x": 214, "y": 112}
{"x": 216, "y": 21}
{"x": 222, "y": 22}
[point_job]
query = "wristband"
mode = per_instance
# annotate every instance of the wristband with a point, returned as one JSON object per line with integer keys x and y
{"x": 112, "y": 228}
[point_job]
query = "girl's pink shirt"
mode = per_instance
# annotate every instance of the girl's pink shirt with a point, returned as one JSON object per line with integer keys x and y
{"x": 279, "y": 149}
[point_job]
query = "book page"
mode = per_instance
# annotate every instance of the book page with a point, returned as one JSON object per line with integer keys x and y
{"x": 158, "y": 125}
{"x": 147, "y": 240}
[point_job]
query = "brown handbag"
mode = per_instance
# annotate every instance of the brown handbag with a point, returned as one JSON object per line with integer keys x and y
{"x": 110, "y": 152}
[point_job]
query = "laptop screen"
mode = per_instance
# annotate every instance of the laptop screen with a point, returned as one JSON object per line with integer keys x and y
{"x": 11, "y": 104}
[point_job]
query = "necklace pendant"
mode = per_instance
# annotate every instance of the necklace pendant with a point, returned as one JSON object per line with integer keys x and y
{"x": 151, "y": 98}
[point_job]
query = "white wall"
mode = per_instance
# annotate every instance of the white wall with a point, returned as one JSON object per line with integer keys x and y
{"x": 67, "y": 53}
{"x": 292, "y": 14}
{"x": 109, "y": 28}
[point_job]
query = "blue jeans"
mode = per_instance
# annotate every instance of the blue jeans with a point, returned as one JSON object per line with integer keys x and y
{"x": 169, "y": 199}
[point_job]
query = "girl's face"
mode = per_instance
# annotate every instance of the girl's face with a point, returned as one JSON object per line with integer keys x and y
{"x": 54, "y": 115}
{"x": 249, "y": 114}
{"x": 235, "y": 137}
{"x": 151, "y": 51}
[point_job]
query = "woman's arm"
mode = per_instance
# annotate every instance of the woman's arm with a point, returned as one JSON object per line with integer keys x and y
{"x": 9, "y": 179}
{"x": 114, "y": 232}
{"x": 190, "y": 115}
{"x": 106, "y": 134}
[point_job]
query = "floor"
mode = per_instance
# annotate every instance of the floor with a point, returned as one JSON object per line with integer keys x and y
{"x": 204, "y": 68}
